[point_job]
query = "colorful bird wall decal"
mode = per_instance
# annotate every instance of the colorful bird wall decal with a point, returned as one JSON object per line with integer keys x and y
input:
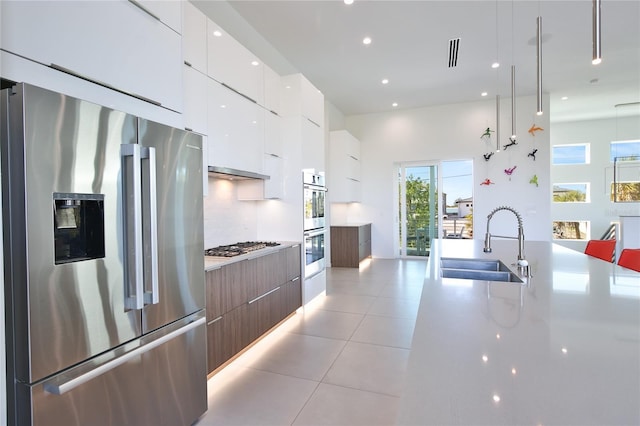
{"x": 487, "y": 182}
{"x": 487, "y": 133}
{"x": 534, "y": 180}
{"x": 534, "y": 129}
{"x": 533, "y": 154}
{"x": 509, "y": 171}
{"x": 487, "y": 156}
{"x": 511, "y": 143}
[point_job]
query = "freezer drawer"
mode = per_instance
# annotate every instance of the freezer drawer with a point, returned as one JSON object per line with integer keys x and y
{"x": 159, "y": 379}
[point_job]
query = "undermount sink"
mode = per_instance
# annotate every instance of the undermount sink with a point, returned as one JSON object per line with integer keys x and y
{"x": 477, "y": 269}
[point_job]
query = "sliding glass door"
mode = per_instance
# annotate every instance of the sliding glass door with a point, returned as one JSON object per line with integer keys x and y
{"x": 417, "y": 208}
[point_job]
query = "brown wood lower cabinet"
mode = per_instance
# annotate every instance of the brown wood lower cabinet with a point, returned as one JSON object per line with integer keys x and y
{"x": 350, "y": 244}
{"x": 234, "y": 318}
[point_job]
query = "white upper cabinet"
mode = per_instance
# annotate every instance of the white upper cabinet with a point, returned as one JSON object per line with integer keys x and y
{"x": 344, "y": 167}
{"x": 195, "y": 99}
{"x": 273, "y": 135}
{"x": 114, "y": 43}
{"x": 236, "y": 130}
{"x": 300, "y": 97}
{"x": 194, "y": 37}
{"x": 312, "y": 140}
{"x": 167, "y": 11}
{"x": 272, "y": 88}
{"x": 233, "y": 65}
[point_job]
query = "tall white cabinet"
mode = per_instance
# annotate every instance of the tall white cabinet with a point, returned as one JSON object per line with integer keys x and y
{"x": 303, "y": 105}
{"x": 344, "y": 168}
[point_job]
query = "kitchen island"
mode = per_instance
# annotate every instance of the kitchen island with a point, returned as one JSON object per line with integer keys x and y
{"x": 561, "y": 348}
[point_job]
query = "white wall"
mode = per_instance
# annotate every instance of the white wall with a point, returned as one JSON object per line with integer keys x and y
{"x": 600, "y": 211}
{"x": 452, "y": 132}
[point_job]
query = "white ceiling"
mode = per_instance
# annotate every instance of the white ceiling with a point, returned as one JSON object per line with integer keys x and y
{"x": 323, "y": 40}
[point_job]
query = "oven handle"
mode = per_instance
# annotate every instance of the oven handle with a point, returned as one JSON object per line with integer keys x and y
{"x": 315, "y": 232}
{"x": 315, "y": 188}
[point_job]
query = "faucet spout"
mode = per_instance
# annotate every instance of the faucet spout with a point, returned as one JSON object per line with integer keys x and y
{"x": 487, "y": 237}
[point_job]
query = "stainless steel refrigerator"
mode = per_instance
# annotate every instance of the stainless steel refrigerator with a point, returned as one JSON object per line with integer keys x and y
{"x": 104, "y": 275}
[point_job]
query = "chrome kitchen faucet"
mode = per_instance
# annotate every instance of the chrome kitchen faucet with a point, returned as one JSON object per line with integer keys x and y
{"x": 520, "y": 237}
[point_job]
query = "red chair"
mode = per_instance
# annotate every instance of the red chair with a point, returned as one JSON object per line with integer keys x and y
{"x": 602, "y": 249}
{"x": 630, "y": 258}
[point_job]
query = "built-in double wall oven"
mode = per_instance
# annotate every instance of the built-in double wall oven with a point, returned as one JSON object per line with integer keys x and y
{"x": 314, "y": 223}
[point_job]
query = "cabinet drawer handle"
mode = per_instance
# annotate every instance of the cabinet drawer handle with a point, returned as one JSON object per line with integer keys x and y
{"x": 264, "y": 295}
{"x": 144, "y": 9}
{"x": 188, "y": 64}
{"x": 214, "y": 320}
{"x": 295, "y": 279}
{"x": 100, "y": 83}
{"x": 239, "y": 93}
{"x": 310, "y": 120}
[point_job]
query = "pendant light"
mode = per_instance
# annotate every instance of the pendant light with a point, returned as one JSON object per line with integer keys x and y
{"x": 513, "y": 80}
{"x": 597, "y": 48}
{"x": 497, "y": 123}
{"x": 539, "y": 64}
{"x": 513, "y": 103}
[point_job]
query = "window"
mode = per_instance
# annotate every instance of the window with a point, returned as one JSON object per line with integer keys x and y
{"x": 570, "y": 230}
{"x": 624, "y": 149}
{"x": 571, "y": 193}
{"x": 625, "y": 187}
{"x": 571, "y": 154}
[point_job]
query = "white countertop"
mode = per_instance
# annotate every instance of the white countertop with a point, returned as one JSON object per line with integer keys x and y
{"x": 350, "y": 224}
{"x": 215, "y": 262}
{"x": 562, "y": 349}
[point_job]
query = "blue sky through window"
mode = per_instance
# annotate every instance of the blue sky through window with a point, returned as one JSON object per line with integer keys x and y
{"x": 570, "y": 154}
{"x": 624, "y": 149}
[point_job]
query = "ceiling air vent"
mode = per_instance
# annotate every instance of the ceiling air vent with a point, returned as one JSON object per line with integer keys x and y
{"x": 454, "y": 44}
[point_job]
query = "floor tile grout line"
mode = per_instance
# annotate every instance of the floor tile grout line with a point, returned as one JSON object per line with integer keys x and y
{"x": 306, "y": 402}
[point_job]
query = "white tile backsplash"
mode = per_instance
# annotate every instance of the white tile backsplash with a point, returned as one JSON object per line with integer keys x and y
{"x": 227, "y": 220}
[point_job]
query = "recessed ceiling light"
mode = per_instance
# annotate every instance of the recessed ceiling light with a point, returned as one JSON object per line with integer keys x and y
{"x": 217, "y": 33}
{"x": 483, "y": 94}
{"x": 348, "y": 1}
{"x": 395, "y": 104}
{"x": 564, "y": 98}
{"x": 495, "y": 65}
{"x": 255, "y": 63}
{"x": 385, "y": 81}
{"x": 223, "y": 106}
{"x": 366, "y": 40}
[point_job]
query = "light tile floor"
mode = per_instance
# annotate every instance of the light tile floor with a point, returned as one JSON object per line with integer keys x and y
{"x": 340, "y": 362}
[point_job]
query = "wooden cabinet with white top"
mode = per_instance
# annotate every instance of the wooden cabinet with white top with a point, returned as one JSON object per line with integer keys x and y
{"x": 233, "y": 65}
{"x": 247, "y": 298}
{"x": 113, "y": 43}
{"x": 344, "y": 168}
{"x": 350, "y": 244}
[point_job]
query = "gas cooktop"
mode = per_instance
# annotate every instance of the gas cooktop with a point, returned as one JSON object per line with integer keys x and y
{"x": 239, "y": 248}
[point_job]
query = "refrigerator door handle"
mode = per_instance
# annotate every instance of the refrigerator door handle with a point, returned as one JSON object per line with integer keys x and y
{"x": 152, "y": 297}
{"x": 133, "y": 282}
{"x": 58, "y": 387}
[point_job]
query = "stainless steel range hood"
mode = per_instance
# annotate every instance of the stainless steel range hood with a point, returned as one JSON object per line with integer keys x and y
{"x": 235, "y": 174}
